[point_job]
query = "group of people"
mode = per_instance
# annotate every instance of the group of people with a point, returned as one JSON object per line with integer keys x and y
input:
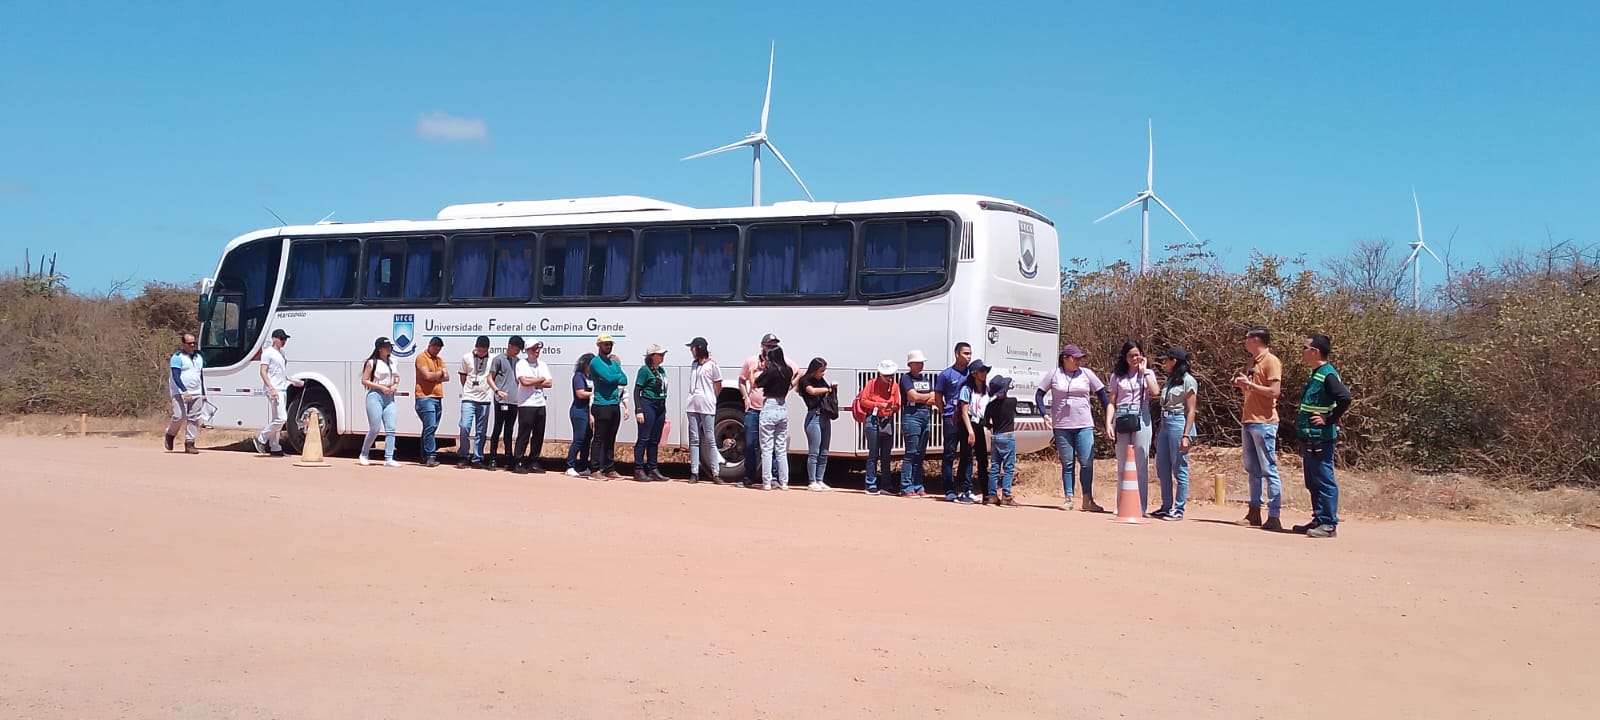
{"x": 972, "y": 399}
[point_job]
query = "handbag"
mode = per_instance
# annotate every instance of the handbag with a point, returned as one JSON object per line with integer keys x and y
{"x": 1128, "y": 420}
{"x": 828, "y": 406}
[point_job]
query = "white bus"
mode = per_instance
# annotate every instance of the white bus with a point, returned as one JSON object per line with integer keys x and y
{"x": 855, "y": 283}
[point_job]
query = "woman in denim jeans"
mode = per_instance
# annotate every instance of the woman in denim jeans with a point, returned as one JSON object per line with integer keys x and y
{"x": 814, "y": 388}
{"x": 775, "y": 380}
{"x": 1133, "y": 386}
{"x": 582, "y": 390}
{"x": 880, "y": 400}
{"x": 381, "y": 381}
{"x": 1178, "y": 403}
{"x": 1070, "y": 386}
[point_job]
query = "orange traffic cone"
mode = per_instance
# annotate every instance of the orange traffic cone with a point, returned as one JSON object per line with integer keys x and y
{"x": 311, "y": 452}
{"x": 1128, "y": 493}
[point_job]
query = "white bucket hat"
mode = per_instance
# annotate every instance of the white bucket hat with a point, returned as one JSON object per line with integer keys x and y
{"x": 916, "y": 356}
{"x": 887, "y": 368}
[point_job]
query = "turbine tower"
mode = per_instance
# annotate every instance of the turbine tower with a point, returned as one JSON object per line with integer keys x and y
{"x": 1415, "y": 260}
{"x": 756, "y": 140}
{"x": 1143, "y": 199}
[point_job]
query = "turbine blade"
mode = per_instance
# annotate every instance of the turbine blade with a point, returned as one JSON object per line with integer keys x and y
{"x": 1131, "y": 203}
{"x": 1174, "y": 215}
{"x": 786, "y": 164}
{"x": 1424, "y": 247}
{"x": 1413, "y": 256}
{"x": 730, "y": 146}
{"x": 767, "y": 103}
{"x": 1150, "y": 171}
{"x": 1418, "y": 206}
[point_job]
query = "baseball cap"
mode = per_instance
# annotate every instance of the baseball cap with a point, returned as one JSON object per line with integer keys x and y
{"x": 888, "y": 367}
{"x": 770, "y": 339}
{"x": 654, "y": 349}
{"x": 977, "y": 366}
{"x": 382, "y": 342}
{"x": 916, "y": 356}
{"x": 1175, "y": 353}
{"x": 604, "y": 338}
{"x": 700, "y": 343}
{"x": 280, "y": 334}
{"x": 436, "y": 342}
{"x": 1072, "y": 351}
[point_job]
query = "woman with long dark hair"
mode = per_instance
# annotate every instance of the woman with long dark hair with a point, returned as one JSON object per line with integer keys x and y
{"x": 1133, "y": 385}
{"x": 381, "y": 381}
{"x": 1071, "y": 386}
{"x": 582, "y": 390}
{"x": 815, "y": 389}
{"x": 971, "y": 400}
{"x": 775, "y": 380}
{"x": 1178, "y": 402}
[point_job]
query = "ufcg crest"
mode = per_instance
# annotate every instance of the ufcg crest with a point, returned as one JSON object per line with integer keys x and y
{"x": 1029, "y": 264}
{"x": 405, "y": 334}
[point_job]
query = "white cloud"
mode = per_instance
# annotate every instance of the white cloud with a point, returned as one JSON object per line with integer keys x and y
{"x": 444, "y": 127}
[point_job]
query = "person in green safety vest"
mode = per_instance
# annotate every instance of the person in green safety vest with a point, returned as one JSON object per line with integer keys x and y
{"x": 1321, "y": 405}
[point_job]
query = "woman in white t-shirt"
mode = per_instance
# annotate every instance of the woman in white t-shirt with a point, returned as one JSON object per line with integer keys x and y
{"x": 1133, "y": 386}
{"x": 1178, "y": 403}
{"x": 381, "y": 381}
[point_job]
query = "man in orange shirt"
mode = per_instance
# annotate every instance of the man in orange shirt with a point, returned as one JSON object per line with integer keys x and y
{"x": 1261, "y": 385}
{"x": 431, "y": 378}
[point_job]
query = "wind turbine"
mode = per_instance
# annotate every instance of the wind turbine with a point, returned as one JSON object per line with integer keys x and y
{"x": 757, "y": 139}
{"x": 1415, "y": 260}
{"x": 1143, "y": 199}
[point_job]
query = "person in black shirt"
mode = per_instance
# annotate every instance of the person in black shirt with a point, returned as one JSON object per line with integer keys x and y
{"x": 815, "y": 390}
{"x": 1001, "y": 419}
{"x": 775, "y": 380}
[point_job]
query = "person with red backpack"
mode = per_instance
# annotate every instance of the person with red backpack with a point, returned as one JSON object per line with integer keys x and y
{"x": 874, "y": 409}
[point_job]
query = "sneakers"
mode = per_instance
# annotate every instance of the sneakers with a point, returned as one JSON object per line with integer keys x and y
{"x": 519, "y": 469}
{"x": 1323, "y": 531}
{"x": 949, "y": 497}
{"x": 489, "y": 464}
{"x": 1272, "y": 525}
{"x": 1159, "y": 514}
{"x": 819, "y": 487}
{"x": 965, "y": 499}
{"x": 572, "y": 472}
{"x": 431, "y": 462}
{"x": 766, "y": 486}
{"x": 463, "y": 464}
{"x": 276, "y": 453}
{"x": 1172, "y": 517}
{"x": 364, "y": 461}
{"x": 1067, "y": 506}
{"x": 873, "y": 491}
{"x": 261, "y": 447}
{"x": 170, "y": 438}
{"x": 536, "y": 469}
{"x": 782, "y": 485}
{"x": 391, "y": 463}
{"x": 1301, "y": 529}
{"x": 1251, "y": 518}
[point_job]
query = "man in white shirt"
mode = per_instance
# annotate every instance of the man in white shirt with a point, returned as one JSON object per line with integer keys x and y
{"x": 275, "y": 379}
{"x": 705, "y": 386}
{"x": 533, "y": 379}
{"x": 475, "y": 399}
{"x": 185, "y": 386}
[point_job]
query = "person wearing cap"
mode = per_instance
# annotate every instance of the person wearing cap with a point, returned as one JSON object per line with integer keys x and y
{"x": 578, "y": 464}
{"x": 753, "y": 400}
{"x": 533, "y": 380}
{"x": 476, "y": 396}
{"x": 971, "y": 398}
{"x": 880, "y": 400}
{"x": 650, "y": 389}
{"x": 955, "y": 462}
{"x": 1000, "y": 416}
{"x": 1261, "y": 384}
{"x": 705, "y": 386}
{"x": 1070, "y": 387}
{"x": 186, "y": 386}
{"x": 504, "y": 389}
{"x": 381, "y": 381}
{"x": 275, "y": 380}
{"x": 1178, "y": 404}
{"x": 606, "y": 407}
{"x": 1323, "y": 402}
{"x": 916, "y": 423}
{"x": 429, "y": 398}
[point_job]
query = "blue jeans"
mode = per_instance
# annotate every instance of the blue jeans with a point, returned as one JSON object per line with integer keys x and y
{"x": 474, "y": 415}
{"x": 578, "y": 450}
{"x": 1076, "y": 448}
{"x": 380, "y": 411}
{"x": 956, "y": 447}
{"x": 752, "y": 446}
{"x": 648, "y": 445}
{"x": 428, "y": 409}
{"x": 819, "y": 432}
{"x": 880, "y": 446}
{"x": 915, "y": 424}
{"x": 1324, "y": 488}
{"x": 775, "y": 442}
{"x": 1260, "y": 444}
{"x": 703, "y": 445}
{"x": 1172, "y": 465}
{"x": 1002, "y": 464}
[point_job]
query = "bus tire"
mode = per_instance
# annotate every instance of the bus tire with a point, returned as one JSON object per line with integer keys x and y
{"x": 300, "y": 406}
{"x": 730, "y": 441}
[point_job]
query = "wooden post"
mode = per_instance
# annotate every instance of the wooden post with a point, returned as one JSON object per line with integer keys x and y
{"x": 83, "y": 425}
{"x": 1220, "y": 492}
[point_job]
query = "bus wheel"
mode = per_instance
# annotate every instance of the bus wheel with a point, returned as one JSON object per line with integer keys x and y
{"x": 300, "y": 407}
{"x": 730, "y": 441}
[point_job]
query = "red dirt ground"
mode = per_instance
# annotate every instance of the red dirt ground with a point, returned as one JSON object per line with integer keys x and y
{"x": 135, "y": 583}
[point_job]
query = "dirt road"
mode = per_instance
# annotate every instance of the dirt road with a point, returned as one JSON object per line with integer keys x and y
{"x": 139, "y": 584}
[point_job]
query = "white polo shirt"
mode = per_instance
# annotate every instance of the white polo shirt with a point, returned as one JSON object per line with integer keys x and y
{"x": 532, "y": 396}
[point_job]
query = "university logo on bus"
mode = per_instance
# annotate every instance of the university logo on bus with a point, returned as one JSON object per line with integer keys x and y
{"x": 1029, "y": 264}
{"x": 405, "y": 334}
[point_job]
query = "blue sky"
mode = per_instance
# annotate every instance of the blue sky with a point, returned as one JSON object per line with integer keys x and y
{"x": 137, "y": 140}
